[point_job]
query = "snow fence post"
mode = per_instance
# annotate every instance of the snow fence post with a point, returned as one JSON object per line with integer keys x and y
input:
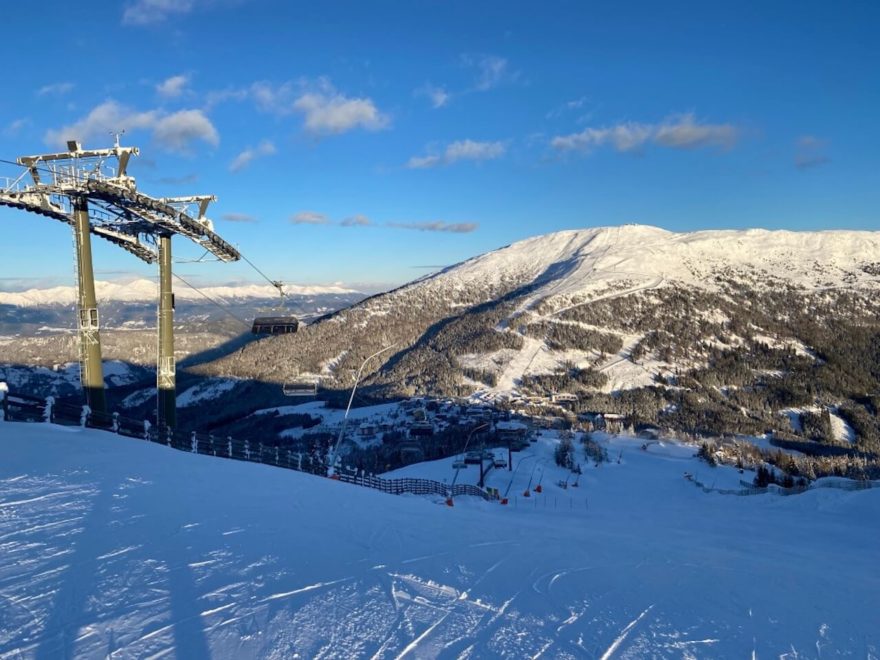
{"x": 4, "y": 389}
{"x": 229, "y": 445}
{"x": 47, "y": 413}
{"x": 115, "y": 427}
{"x": 194, "y": 443}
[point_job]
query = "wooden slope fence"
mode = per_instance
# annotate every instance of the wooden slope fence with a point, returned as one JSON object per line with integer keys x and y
{"x": 20, "y": 408}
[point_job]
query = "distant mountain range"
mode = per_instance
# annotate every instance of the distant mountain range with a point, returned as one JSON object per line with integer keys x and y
{"x": 145, "y": 290}
{"x": 663, "y": 325}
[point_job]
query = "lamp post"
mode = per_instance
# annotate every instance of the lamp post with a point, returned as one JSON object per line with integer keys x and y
{"x": 332, "y": 458}
{"x": 519, "y": 464}
{"x": 464, "y": 453}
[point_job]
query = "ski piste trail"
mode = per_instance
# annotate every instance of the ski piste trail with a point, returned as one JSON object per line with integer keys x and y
{"x": 114, "y": 547}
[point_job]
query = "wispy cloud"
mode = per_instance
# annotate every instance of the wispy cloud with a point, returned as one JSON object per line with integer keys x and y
{"x": 315, "y": 218}
{"x": 56, "y": 89}
{"x": 675, "y": 132}
{"x": 325, "y": 110}
{"x": 810, "y": 152}
{"x": 455, "y": 228}
{"x": 439, "y": 97}
{"x": 458, "y": 151}
{"x": 238, "y": 217}
{"x": 309, "y": 218}
{"x": 14, "y": 127}
{"x": 491, "y": 71}
{"x": 356, "y": 221}
{"x": 569, "y": 106}
{"x": 149, "y": 12}
{"x": 175, "y": 132}
{"x": 173, "y": 87}
{"x": 685, "y": 132}
{"x": 177, "y": 180}
{"x": 242, "y": 160}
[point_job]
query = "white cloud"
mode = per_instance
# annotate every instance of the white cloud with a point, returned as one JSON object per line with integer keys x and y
{"x": 438, "y": 96}
{"x": 238, "y": 217}
{"x": 242, "y": 160}
{"x": 315, "y": 218}
{"x": 216, "y": 97}
{"x": 147, "y": 12}
{"x": 270, "y": 98}
{"x": 327, "y": 111}
{"x": 810, "y": 152}
{"x": 455, "y": 228}
{"x": 568, "y": 106}
{"x": 173, "y": 86}
{"x": 176, "y": 180}
{"x": 424, "y": 162}
{"x": 173, "y": 132}
{"x": 675, "y": 132}
{"x": 56, "y": 89}
{"x": 491, "y": 71}
{"x": 14, "y": 127}
{"x": 103, "y": 119}
{"x": 623, "y": 137}
{"x": 457, "y": 151}
{"x": 309, "y": 218}
{"x": 685, "y": 132}
{"x": 356, "y": 221}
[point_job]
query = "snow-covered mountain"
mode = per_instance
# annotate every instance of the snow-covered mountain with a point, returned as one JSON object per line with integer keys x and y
{"x": 607, "y": 310}
{"x": 576, "y": 262}
{"x": 145, "y": 290}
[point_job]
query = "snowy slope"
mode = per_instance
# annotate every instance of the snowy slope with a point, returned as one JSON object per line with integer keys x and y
{"x": 116, "y": 548}
{"x": 578, "y": 261}
{"x": 549, "y": 281}
{"x": 144, "y": 290}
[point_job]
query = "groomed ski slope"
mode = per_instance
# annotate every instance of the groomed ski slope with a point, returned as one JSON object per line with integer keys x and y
{"x": 112, "y": 547}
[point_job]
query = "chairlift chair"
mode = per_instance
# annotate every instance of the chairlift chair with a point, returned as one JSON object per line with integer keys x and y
{"x": 279, "y": 323}
{"x": 300, "y": 388}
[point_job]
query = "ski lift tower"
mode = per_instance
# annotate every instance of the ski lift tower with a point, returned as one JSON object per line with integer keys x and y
{"x": 82, "y": 188}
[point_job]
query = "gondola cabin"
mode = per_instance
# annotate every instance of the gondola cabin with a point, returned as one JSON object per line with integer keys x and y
{"x": 274, "y": 325}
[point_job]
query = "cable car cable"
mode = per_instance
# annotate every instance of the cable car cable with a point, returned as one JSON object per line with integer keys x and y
{"x": 211, "y": 300}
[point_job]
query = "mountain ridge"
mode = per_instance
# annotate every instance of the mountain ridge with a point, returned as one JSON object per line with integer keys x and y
{"x": 568, "y": 269}
{"x": 146, "y": 290}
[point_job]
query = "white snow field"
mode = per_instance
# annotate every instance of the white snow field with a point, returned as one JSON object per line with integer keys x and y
{"x": 113, "y": 547}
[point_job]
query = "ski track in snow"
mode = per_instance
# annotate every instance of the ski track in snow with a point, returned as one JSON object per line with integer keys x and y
{"x": 522, "y": 362}
{"x": 106, "y": 560}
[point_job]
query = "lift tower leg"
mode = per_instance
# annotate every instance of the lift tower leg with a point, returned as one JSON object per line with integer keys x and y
{"x": 165, "y": 372}
{"x": 91, "y": 369}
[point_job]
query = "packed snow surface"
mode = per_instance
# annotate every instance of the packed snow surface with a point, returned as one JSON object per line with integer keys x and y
{"x": 113, "y": 547}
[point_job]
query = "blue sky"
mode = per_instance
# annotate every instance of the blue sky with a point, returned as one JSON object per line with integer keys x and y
{"x": 361, "y": 142}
